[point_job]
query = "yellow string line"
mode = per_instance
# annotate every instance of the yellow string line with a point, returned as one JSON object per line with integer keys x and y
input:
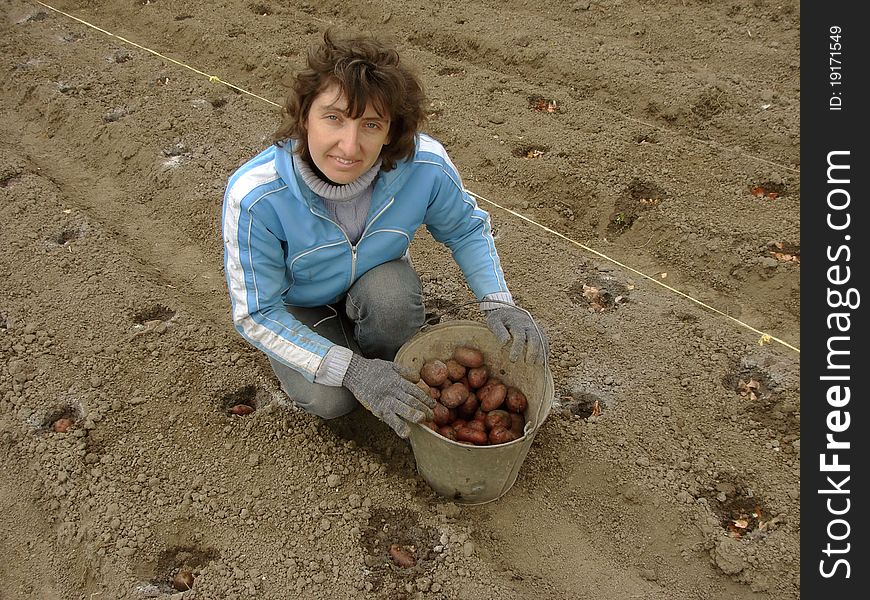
{"x": 765, "y": 338}
{"x": 211, "y": 78}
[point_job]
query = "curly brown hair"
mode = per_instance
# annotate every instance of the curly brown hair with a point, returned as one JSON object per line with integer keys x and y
{"x": 367, "y": 70}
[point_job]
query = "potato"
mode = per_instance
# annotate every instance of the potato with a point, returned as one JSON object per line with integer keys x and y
{"x": 455, "y": 371}
{"x": 470, "y": 406}
{"x": 430, "y": 424}
{"x": 468, "y": 357}
{"x": 478, "y": 425}
{"x": 434, "y": 372}
{"x": 62, "y": 425}
{"x": 498, "y": 418}
{"x": 477, "y": 377}
{"x": 491, "y": 396}
{"x": 458, "y": 423}
{"x": 518, "y": 424}
{"x": 448, "y": 432}
{"x": 454, "y": 396}
{"x": 489, "y": 382}
{"x": 479, "y": 415}
{"x": 183, "y": 580}
{"x": 500, "y": 435}
{"x": 441, "y": 414}
{"x": 466, "y": 434}
{"x": 515, "y": 400}
{"x": 402, "y": 556}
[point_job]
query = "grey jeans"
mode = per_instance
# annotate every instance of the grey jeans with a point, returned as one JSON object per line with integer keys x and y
{"x": 383, "y": 309}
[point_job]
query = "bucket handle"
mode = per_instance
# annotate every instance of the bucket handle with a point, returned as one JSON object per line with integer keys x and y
{"x": 544, "y": 345}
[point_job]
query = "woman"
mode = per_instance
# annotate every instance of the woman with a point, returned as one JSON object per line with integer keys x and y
{"x": 317, "y": 229}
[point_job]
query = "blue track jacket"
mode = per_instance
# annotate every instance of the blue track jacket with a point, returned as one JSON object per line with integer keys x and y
{"x": 282, "y": 248}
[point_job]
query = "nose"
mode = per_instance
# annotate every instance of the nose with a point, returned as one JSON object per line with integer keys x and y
{"x": 348, "y": 143}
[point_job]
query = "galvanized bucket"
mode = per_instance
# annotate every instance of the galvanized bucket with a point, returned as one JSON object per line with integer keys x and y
{"x": 475, "y": 474}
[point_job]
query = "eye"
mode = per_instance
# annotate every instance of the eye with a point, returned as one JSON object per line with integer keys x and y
{"x": 373, "y": 125}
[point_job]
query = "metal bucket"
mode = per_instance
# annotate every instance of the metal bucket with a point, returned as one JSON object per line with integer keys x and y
{"x": 475, "y": 474}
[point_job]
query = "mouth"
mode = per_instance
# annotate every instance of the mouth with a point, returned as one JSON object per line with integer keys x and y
{"x": 344, "y": 162}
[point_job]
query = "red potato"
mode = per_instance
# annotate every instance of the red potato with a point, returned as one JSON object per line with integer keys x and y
{"x": 62, "y": 425}
{"x": 477, "y": 377}
{"x": 518, "y": 424}
{"x": 470, "y": 406}
{"x": 515, "y": 400}
{"x": 448, "y": 432}
{"x": 498, "y": 418}
{"x": 479, "y": 415}
{"x": 430, "y": 424}
{"x": 478, "y": 425}
{"x": 491, "y": 396}
{"x": 468, "y": 357}
{"x": 488, "y": 383}
{"x": 458, "y": 423}
{"x": 241, "y": 410}
{"x": 500, "y": 435}
{"x": 476, "y": 437}
{"x": 441, "y": 414}
{"x": 454, "y": 396}
{"x": 434, "y": 372}
{"x": 402, "y": 557}
{"x": 183, "y": 580}
{"x": 455, "y": 371}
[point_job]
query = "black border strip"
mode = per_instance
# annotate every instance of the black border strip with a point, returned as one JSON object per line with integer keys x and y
{"x": 834, "y": 174}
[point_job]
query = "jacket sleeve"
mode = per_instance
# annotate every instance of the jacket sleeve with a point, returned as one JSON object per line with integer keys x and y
{"x": 454, "y": 219}
{"x": 256, "y": 277}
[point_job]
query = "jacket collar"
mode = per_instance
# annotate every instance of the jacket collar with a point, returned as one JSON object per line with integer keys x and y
{"x": 386, "y": 185}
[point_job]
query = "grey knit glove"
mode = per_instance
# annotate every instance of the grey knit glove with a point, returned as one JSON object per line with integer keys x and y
{"x": 508, "y": 322}
{"x": 379, "y": 386}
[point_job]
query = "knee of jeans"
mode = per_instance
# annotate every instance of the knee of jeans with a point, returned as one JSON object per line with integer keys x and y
{"x": 330, "y": 403}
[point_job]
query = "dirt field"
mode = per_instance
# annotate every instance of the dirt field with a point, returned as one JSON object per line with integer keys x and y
{"x": 647, "y": 144}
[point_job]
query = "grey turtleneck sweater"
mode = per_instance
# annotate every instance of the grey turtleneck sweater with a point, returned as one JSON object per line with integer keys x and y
{"x": 348, "y": 204}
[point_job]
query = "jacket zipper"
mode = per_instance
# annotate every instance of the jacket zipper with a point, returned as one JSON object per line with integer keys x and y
{"x": 354, "y": 246}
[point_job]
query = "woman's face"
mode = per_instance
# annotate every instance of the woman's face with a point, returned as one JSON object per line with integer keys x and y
{"x": 341, "y": 147}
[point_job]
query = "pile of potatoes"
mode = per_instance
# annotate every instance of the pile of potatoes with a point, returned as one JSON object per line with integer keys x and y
{"x": 472, "y": 406}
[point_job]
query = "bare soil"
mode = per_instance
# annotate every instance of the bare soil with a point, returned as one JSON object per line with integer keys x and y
{"x": 621, "y": 146}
